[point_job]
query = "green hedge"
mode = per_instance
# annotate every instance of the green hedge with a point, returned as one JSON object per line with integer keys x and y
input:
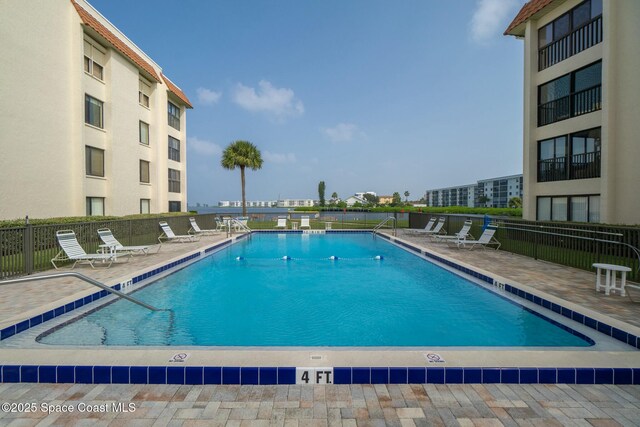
{"x": 79, "y": 219}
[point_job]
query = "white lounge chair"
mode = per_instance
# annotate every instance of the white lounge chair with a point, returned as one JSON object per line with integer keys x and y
{"x": 195, "y": 229}
{"x": 282, "y": 223}
{"x": 437, "y": 229}
{"x": 304, "y": 222}
{"x": 220, "y": 224}
{"x": 460, "y": 235}
{"x": 169, "y": 236}
{"x": 111, "y": 243}
{"x": 427, "y": 227}
{"x": 487, "y": 239}
{"x": 72, "y": 251}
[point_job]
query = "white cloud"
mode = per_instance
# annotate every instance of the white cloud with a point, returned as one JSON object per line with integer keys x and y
{"x": 207, "y": 96}
{"x": 343, "y": 132}
{"x": 202, "y": 147}
{"x": 279, "y": 157}
{"x": 278, "y": 102}
{"x": 489, "y": 18}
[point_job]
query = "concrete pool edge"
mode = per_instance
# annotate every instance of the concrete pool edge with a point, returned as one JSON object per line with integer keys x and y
{"x": 461, "y": 365}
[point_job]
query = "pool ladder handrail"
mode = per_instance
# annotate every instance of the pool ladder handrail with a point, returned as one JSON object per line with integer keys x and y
{"x": 384, "y": 222}
{"x": 234, "y": 221}
{"x": 86, "y": 279}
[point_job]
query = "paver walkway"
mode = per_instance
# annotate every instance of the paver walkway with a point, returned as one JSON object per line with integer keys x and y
{"x": 337, "y": 405}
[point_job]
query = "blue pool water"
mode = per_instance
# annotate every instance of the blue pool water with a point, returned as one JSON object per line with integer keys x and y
{"x": 247, "y": 295}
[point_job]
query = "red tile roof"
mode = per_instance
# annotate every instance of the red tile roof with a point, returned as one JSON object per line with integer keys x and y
{"x": 89, "y": 20}
{"x": 176, "y": 91}
{"x": 528, "y": 10}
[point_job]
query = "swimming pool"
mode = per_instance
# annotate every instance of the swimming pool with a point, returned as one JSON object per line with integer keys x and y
{"x": 334, "y": 290}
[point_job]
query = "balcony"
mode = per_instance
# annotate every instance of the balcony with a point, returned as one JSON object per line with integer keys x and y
{"x": 573, "y": 43}
{"x": 582, "y": 166}
{"x": 573, "y": 105}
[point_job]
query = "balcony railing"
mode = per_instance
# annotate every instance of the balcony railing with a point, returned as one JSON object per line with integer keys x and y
{"x": 552, "y": 169}
{"x": 573, "y": 43}
{"x": 585, "y": 165}
{"x": 575, "y": 104}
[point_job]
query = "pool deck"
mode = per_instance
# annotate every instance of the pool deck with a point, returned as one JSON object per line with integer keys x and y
{"x": 347, "y": 405}
{"x": 319, "y": 406}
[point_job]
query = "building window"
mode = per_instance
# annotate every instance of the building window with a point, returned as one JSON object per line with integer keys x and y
{"x": 145, "y": 206}
{"x": 174, "y": 149}
{"x": 94, "y": 159}
{"x": 94, "y": 60}
{"x": 144, "y": 92}
{"x": 93, "y": 111}
{"x": 580, "y": 159}
{"x": 552, "y": 159}
{"x": 144, "y": 172}
{"x": 174, "y": 115}
{"x": 175, "y": 207}
{"x": 144, "y": 133}
{"x": 174, "y": 181}
{"x": 571, "y": 95}
{"x": 571, "y": 33}
{"x": 572, "y": 208}
{"x": 95, "y": 206}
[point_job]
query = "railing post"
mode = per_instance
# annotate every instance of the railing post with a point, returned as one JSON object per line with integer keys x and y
{"x": 27, "y": 247}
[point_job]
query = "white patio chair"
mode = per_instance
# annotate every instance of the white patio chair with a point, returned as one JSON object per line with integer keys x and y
{"x": 111, "y": 243}
{"x": 282, "y": 223}
{"x": 427, "y": 227}
{"x": 460, "y": 235}
{"x": 196, "y": 230}
{"x": 487, "y": 239}
{"x": 304, "y": 222}
{"x": 169, "y": 236}
{"x": 72, "y": 251}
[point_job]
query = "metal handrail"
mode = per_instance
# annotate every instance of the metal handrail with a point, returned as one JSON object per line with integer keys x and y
{"x": 591, "y": 239}
{"x": 86, "y": 279}
{"x": 384, "y": 222}
{"x": 239, "y": 224}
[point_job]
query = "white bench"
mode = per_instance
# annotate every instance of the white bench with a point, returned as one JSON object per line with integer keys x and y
{"x": 610, "y": 277}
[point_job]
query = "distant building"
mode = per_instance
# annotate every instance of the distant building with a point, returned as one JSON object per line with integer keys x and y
{"x": 250, "y": 203}
{"x": 494, "y": 192}
{"x": 361, "y": 194}
{"x": 352, "y": 200}
{"x": 581, "y": 117}
{"x": 385, "y": 200}
{"x": 90, "y": 124}
{"x": 295, "y": 203}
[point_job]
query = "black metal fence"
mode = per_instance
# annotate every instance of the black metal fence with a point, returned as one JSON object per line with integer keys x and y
{"x": 573, "y": 244}
{"x": 24, "y": 250}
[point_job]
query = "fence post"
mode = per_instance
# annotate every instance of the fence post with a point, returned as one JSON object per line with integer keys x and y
{"x": 27, "y": 246}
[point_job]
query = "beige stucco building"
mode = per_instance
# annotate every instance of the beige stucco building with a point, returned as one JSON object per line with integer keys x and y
{"x": 581, "y": 109}
{"x": 89, "y": 125}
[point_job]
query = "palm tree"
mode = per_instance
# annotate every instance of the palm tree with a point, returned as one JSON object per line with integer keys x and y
{"x": 241, "y": 154}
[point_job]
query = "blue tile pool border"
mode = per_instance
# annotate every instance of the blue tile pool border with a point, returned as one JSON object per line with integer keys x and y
{"x": 342, "y": 375}
{"x": 272, "y": 375}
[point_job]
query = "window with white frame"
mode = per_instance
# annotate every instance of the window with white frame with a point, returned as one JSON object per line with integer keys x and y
{"x": 93, "y": 111}
{"x": 173, "y": 115}
{"x": 94, "y": 159}
{"x": 95, "y": 206}
{"x": 94, "y": 59}
{"x": 174, "y": 149}
{"x": 144, "y": 133}
{"x": 144, "y": 93}
{"x": 174, "y": 181}
{"x": 144, "y": 172}
{"x": 145, "y": 206}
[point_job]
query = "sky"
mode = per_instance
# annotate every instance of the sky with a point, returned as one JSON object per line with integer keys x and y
{"x": 365, "y": 95}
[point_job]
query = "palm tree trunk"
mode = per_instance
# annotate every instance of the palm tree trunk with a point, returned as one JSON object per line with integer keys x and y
{"x": 244, "y": 201}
